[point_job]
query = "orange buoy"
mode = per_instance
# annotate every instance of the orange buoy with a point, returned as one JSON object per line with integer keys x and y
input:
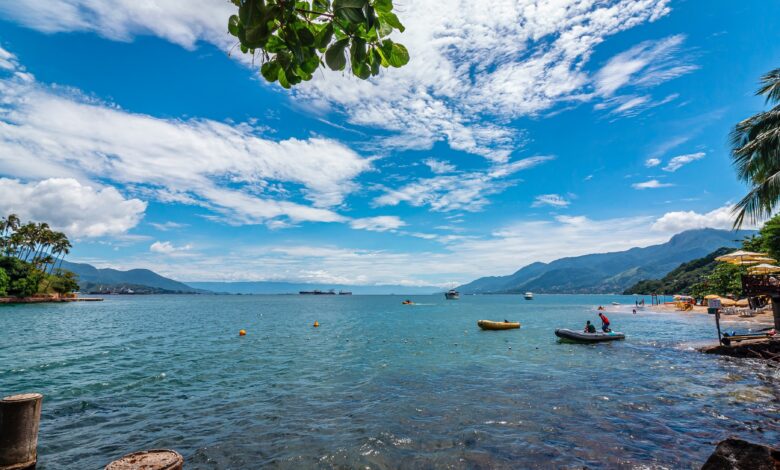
{"x": 316, "y": 323}
{"x": 242, "y": 333}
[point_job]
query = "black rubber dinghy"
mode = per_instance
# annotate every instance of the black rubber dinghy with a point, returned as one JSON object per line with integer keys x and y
{"x": 582, "y": 337}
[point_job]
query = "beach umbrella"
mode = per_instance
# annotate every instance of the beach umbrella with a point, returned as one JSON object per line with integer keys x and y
{"x": 739, "y": 256}
{"x": 726, "y": 302}
{"x": 711, "y": 296}
{"x": 763, "y": 269}
{"x": 765, "y": 259}
{"x": 742, "y": 303}
{"x": 744, "y": 261}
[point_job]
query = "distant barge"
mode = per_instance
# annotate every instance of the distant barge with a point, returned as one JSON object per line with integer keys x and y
{"x": 323, "y": 292}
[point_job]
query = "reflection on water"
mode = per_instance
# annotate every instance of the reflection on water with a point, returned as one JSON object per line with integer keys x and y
{"x": 378, "y": 384}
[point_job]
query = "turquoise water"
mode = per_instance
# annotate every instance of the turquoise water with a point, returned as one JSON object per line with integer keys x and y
{"x": 379, "y": 384}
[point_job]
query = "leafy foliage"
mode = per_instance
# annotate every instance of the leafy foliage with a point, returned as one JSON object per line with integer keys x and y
{"x": 755, "y": 151}
{"x": 29, "y": 254}
{"x": 5, "y": 283}
{"x": 293, "y": 37}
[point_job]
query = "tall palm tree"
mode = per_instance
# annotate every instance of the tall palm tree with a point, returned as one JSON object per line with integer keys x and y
{"x": 755, "y": 150}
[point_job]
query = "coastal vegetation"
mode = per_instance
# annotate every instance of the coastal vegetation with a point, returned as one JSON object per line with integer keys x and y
{"x": 755, "y": 151}
{"x": 681, "y": 279}
{"x": 31, "y": 255}
{"x": 291, "y": 38}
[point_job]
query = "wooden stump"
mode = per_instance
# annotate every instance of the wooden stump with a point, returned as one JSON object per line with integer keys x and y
{"x": 156, "y": 459}
{"x": 20, "y": 417}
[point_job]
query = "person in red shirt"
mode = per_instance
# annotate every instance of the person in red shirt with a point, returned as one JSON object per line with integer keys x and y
{"x": 604, "y": 323}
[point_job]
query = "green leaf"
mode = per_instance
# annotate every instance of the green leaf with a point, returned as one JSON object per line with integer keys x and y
{"x": 338, "y": 4}
{"x": 353, "y": 15}
{"x": 310, "y": 64}
{"x": 275, "y": 44}
{"x": 233, "y": 25}
{"x": 306, "y": 37}
{"x": 399, "y": 56}
{"x": 283, "y": 78}
{"x": 320, "y": 5}
{"x": 392, "y": 20}
{"x": 335, "y": 57}
{"x": 383, "y": 6}
{"x": 270, "y": 70}
{"x": 358, "y": 50}
{"x": 324, "y": 37}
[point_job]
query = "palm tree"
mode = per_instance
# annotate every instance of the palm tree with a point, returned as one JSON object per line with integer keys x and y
{"x": 755, "y": 150}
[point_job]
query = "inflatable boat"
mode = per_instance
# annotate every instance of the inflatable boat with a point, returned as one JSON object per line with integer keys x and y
{"x": 582, "y": 337}
{"x": 497, "y": 325}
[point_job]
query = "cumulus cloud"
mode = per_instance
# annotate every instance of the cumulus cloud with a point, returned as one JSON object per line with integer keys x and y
{"x": 228, "y": 169}
{"x": 168, "y": 248}
{"x": 651, "y": 184}
{"x": 67, "y": 205}
{"x": 469, "y": 60}
{"x": 678, "y": 162}
{"x": 678, "y": 221}
{"x": 651, "y": 162}
{"x": 463, "y": 191}
{"x": 554, "y": 200}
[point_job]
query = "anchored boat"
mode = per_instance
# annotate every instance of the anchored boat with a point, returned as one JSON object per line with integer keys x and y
{"x": 497, "y": 325}
{"x": 582, "y": 337}
{"x": 452, "y": 294}
{"x": 529, "y": 296}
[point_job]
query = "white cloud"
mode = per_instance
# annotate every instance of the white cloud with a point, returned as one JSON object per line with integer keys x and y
{"x": 554, "y": 200}
{"x": 228, "y": 169}
{"x": 678, "y": 162}
{"x": 678, "y": 221}
{"x": 651, "y": 184}
{"x": 67, "y": 205}
{"x": 646, "y": 64}
{"x": 166, "y": 226}
{"x": 168, "y": 248}
{"x": 438, "y": 166}
{"x": 469, "y": 60}
{"x": 380, "y": 223}
{"x": 464, "y": 191}
{"x": 651, "y": 162}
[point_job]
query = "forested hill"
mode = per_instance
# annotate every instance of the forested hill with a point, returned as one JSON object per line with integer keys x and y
{"x": 680, "y": 280}
{"x": 608, "y": 272}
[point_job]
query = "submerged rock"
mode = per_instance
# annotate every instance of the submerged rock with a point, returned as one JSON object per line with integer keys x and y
{"x": 736, "y": 454}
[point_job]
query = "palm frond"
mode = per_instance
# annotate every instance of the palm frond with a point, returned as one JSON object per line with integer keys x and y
{"x": 770, "y": 86}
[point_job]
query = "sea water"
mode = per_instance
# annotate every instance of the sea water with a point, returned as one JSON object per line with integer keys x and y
{"x": 378, "y": 384}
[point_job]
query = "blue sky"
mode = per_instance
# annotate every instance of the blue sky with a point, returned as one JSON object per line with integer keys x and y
{"x": 518, "y": 132}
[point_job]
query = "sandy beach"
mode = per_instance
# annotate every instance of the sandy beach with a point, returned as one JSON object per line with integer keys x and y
{"x": 762, "y": 319}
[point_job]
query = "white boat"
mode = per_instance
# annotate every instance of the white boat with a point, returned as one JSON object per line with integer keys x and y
{"x": 529, "y": 296}
{"x": 452, "y": 294}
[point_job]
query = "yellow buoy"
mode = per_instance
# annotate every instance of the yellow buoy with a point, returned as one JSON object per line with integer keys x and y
{"x": 242, "y": 333}
{"x": 316, "y": 323}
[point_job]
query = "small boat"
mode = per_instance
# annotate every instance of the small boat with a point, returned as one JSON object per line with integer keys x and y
{"x": 582, "y": 337}
{"x": 407, "y": 302}
{"x": 615, "y": 303}
{"x": 529, "y": 296}
{"x": 452, "y": 294}
{"x": 498, "y": 325}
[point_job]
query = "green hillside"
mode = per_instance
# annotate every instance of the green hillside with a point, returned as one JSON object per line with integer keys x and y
{"x": 680, "y": 279}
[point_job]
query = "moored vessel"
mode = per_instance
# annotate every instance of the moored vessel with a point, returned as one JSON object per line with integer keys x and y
{"x": 452, "y": 294}
{"x": 528, "y": 296}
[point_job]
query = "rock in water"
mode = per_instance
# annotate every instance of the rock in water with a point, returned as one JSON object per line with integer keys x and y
{"x": 736, "y": 454}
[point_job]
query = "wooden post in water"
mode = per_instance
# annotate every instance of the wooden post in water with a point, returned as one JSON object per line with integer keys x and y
{"x": 156, "y": 459}
{"x": 776, "y": 311}
{"x": 20, "y": 417}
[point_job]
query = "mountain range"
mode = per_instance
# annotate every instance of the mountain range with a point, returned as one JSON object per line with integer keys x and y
{"x": 271, "y": 287}
{"x": 608, "y": 272}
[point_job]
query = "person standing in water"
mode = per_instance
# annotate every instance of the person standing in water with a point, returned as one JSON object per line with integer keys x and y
{"x": 604, "y": 323}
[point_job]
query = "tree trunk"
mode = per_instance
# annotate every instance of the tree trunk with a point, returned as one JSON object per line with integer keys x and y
{"x": 776, "y": 311}
{"x": 20, "y": 416}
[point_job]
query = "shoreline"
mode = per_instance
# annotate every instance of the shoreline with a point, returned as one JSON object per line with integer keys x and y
{"x": 763, "y": 319}
{"x": 48, "y": 299}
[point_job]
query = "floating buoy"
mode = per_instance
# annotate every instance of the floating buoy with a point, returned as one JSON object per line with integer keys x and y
{"x": 316, "y": 323}
{"x": 241, "y": 332}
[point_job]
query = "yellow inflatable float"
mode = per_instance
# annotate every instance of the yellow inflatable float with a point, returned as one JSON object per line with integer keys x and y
{"x": 497, "y": 325}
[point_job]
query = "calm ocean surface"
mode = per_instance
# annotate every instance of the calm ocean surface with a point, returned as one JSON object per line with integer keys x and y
{"x": 379, "y": 384}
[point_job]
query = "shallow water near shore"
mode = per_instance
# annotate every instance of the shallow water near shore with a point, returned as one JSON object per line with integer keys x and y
{"x": 378, "y": 384}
